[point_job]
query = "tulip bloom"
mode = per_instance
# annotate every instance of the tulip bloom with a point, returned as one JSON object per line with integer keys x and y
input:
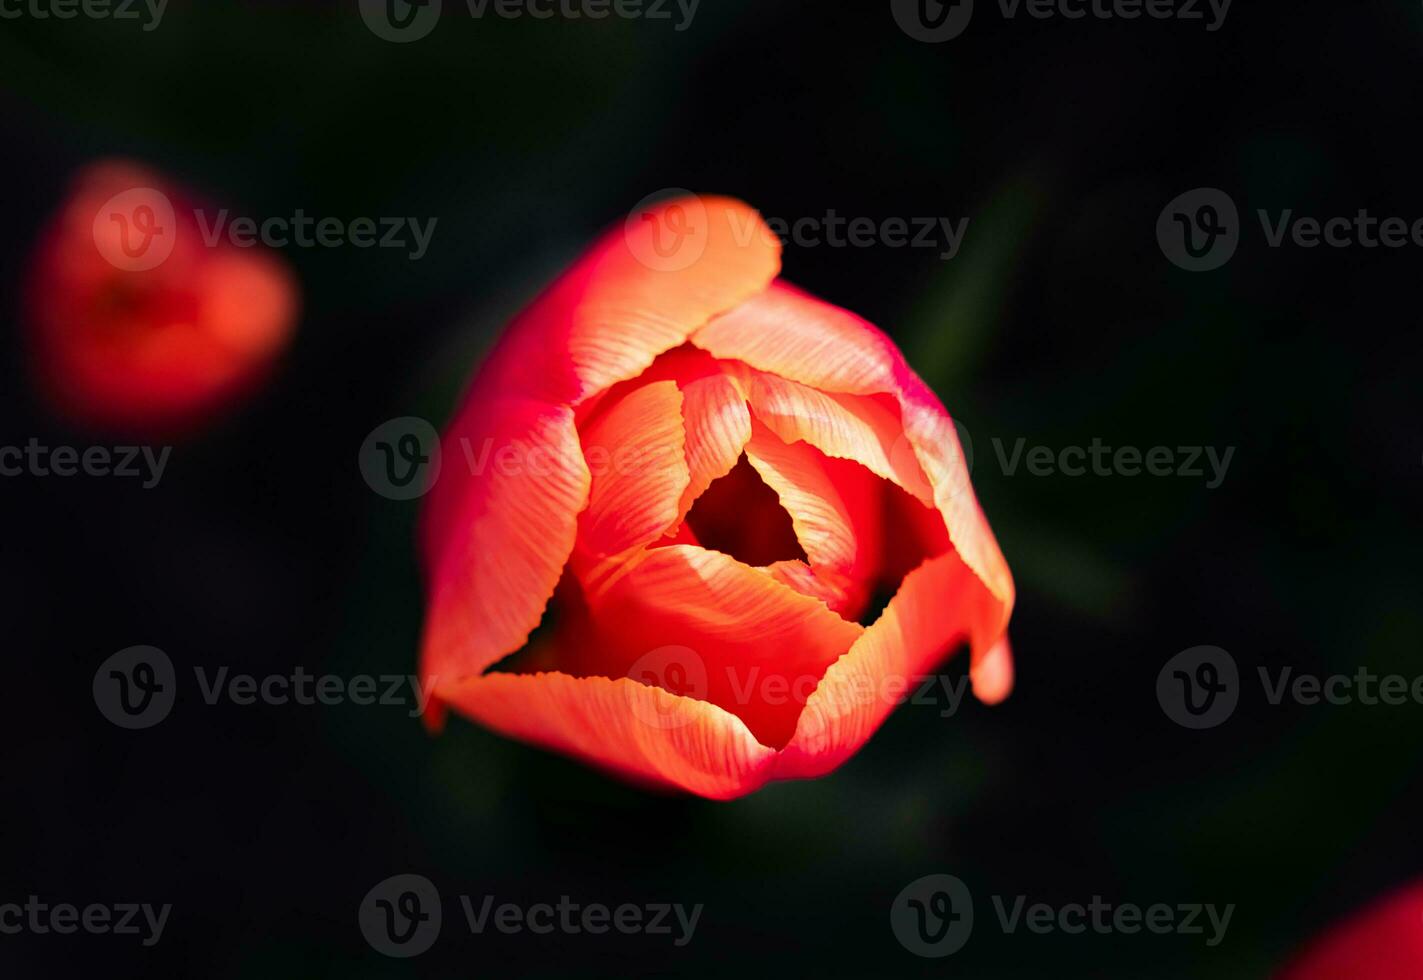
{"x": 137, "y": 324}
{"x": 712, "y": 475}
{"x": 1383, "y": 942}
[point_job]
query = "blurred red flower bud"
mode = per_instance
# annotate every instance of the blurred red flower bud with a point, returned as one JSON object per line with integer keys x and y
{"x": 137, "y": 322}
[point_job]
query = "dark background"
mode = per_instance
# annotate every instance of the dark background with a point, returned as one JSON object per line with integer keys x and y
{"x": 1059, "y": 321}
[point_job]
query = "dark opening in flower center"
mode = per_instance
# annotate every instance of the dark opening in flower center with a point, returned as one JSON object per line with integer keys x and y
{"x": 740, "y": 516}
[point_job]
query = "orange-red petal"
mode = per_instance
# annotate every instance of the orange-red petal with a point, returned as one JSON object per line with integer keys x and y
{"x": 939, "y": 604}
{"x": 619, "y": 306}
{"x": 494, "y": 543}
{"x": 500, "y": 554}
{"x": 718, "y": 426}
{"x": 787, "y": 332}
{"x": 632, "y": 728}
{"x": 764, "y": 645}
{"x": 852, "y": 427}
{"x": 635, "y": 453}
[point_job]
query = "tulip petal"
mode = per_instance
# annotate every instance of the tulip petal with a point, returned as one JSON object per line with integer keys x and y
{"x": 748, "y": 631}
{"x": 850, "y": 427}
{"x": 501, "y": 553}
{"x": 627, "y": 726}
{"x": 635, "y": 451}
{"x": 821, "y": 519}
{"x": 787, "y": 332}
{"x": 832, "y": 589}
{"x": 718, "y": 426}
{"x": 494, "y": 544}
{"x": 620, "y": 305}
{"x": 939, "y": 604}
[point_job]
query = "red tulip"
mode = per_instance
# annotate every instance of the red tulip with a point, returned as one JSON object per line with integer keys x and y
{"x": 710, "y": 473}
{"x": 1383, "y": 942}
{"x": 137, "y": 323}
